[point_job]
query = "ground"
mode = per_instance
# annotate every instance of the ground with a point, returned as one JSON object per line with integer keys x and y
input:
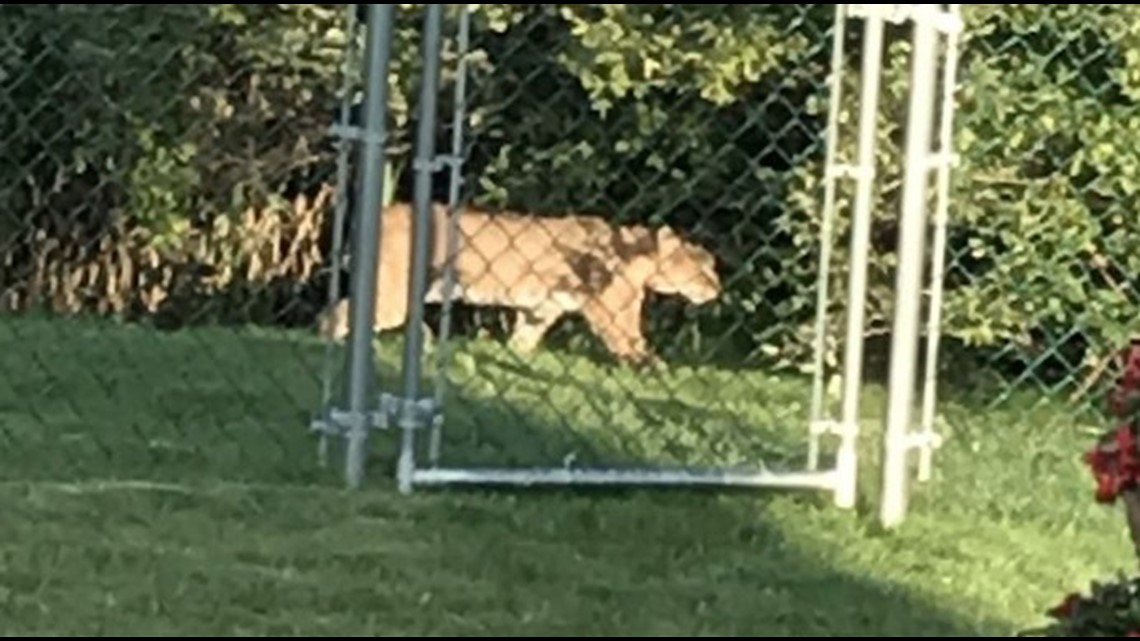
{"x": 164, "y": 484}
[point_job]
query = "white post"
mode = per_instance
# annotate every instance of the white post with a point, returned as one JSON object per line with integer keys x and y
{"x": 819, "y": 420}
{"x": 847, "y": 457}
{"x": 910, "y": 272}
{"x": 944, "y": 161}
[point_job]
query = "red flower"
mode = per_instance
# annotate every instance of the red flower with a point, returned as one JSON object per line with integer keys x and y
{"x": 1114, "y": 460}
{"x": 1115, "y": 464}
{"x": 1133, "y": 633}
{"x": 1123, "y": 401}
{"x": 1065, "y": 608}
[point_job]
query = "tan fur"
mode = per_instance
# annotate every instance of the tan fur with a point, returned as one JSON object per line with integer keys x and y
{"x": 544, "y": 268}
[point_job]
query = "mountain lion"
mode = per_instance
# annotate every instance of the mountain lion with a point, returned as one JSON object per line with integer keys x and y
{"x": 544, "y": 268}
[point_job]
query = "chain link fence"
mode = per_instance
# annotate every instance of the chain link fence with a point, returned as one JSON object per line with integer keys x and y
{"x": 168, "y": 189}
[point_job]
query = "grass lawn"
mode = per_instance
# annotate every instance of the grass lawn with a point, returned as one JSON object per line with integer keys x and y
{"x": 164, "y": 484}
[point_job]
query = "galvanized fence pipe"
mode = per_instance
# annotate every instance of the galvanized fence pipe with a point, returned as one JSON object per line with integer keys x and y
{"x": 411, "y": 418}
{"x": 362, "y": 307}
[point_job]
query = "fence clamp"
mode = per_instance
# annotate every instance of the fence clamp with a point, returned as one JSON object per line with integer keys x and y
{"x": 831, "y": 427}
{"x": 948, "y": 160}
{"x": 924, "y": 440}
{"x": 358, "y": 134}
{"x": 439, "y": 163}
{"x": 337, "y": 422}
{"x": 408, "y": 414}
{"x": 926, "y": 14}
{"x": 392, "y": 411}
{"x": 854, "y": 172}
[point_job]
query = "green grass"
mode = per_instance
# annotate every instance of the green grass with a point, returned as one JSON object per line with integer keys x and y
{"x": 164, "y": 484}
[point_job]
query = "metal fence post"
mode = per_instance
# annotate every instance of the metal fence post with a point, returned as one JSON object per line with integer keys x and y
{"x": 910, "y": 270}
{"x": 366, "y": 246}
{"x": 847, "y": 456}
{"x": 425, "y": 165}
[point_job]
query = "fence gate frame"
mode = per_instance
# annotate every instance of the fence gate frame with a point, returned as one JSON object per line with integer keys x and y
{"x": 364, "y": 410}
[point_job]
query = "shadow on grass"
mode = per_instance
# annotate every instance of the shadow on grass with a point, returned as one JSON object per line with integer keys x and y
{"x": 251, "y": 537}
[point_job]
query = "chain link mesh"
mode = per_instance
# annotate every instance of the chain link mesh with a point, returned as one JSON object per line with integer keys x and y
{"x": 651, "y": 130}
{"x": 1042, "y": 281}
{"x": 167, "y": 198}
{"x": 164, "y": 197}
{"x": 168, "y": 188}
